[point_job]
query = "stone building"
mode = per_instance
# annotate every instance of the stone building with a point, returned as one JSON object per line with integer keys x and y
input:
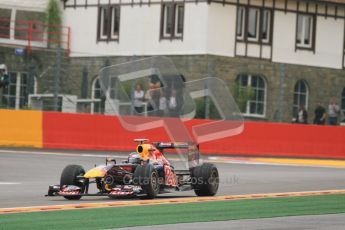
{"x": 290, "y": 52}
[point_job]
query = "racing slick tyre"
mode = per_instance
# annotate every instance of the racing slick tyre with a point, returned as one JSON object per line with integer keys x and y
{"x": 147, "y": 177}
{"x": 69, "y": 177}
{"x": 205, "y": 179}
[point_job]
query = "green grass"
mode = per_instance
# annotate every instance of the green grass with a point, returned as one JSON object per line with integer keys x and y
{"x": 101, "y": 218}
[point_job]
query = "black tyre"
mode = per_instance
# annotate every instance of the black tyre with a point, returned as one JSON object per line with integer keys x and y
{"x": 205, "y": 180}
{"x": 147, "y": 177}
{"x": 69, "y": 177}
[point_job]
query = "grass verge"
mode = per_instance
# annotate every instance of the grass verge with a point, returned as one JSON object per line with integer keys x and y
{"x": 101, "y": 218}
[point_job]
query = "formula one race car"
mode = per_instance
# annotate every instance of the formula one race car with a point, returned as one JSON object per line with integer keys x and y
{"x": 145, "y": 174}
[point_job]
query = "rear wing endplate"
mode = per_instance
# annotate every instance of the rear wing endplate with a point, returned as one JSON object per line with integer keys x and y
{"x": 192, "y": 150}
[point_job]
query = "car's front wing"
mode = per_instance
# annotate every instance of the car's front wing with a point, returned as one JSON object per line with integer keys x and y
{"x": 71, "y": 190}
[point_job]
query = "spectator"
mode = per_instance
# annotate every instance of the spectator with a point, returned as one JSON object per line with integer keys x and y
{"x": 172, "y": 100}
{"x": 4, "y": 79}
{"x": 320, "y": 115}
{"x": 302, "y": 116}
{"x": 333, "y": 112}
{"x": 162, "y": 104}
{"x": 153, "y": 94}
{"x": 148, "y": 99}
{"x": 172, "y": 104}
{"x": 138, "y": 98}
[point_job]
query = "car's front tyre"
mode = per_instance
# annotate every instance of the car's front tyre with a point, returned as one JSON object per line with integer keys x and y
{"x": 69, "y": 177}
{"x": 147, "y": 177}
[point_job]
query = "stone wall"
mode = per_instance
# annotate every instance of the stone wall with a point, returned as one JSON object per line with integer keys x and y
{"x": 323, "y": 83}
{"x": 40, "y": 64}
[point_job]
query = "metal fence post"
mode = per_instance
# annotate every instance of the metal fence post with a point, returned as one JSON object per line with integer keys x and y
{"x": 209, "y": 74}
{"x": 280, "y": 101}
{"x": 29, "y": 36}
{"x": 57, "y": 77}
{"x": 84, "y": 83}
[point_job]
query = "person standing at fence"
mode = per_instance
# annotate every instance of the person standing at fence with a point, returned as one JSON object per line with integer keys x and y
{"x": 4, "y": 78}
{"x": 333, "y": 112}
{"x": 138, "y": 98}
{"x": 4, "y": 81}
{"x": 172, "y": 103}
{"x": 162, "y": 104}
{"x": 320, "y": 115}
{"x": 302, "y": 116}
{"x": 153, "y": 94}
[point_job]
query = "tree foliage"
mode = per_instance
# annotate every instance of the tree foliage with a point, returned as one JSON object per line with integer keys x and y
{"x": 242, "y": 94}
{"x": 53, "y": 17}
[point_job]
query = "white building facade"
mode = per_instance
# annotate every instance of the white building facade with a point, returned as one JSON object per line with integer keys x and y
{"x": 295, "y": 32}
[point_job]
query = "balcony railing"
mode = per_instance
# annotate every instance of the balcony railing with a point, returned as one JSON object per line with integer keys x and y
{"x": 33, "y": 34}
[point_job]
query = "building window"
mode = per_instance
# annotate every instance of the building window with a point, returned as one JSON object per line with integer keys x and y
{"x": 305, "y": 32}
{"x": 254, "y": 24}
{"x": 172, "y": 21}
{"x": 15, "y": 94}
{"x": 266, "y": 26}
{"x": 300, "y": 96}
{"x": 257, "y": 102}
{"x": 240, "y": 23}
{"x": 108, "y": 23}
{"x": 5, "y": 23}
{"x": 26, "y": 20}
{"x": 97, "y": 97}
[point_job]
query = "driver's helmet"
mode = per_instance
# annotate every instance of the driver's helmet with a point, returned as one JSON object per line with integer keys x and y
{"x": 134, "y": 158}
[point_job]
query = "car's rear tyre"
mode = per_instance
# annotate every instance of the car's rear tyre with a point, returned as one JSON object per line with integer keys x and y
{"x": 69, "y": 177}
{"x": 147, "y": 177}
{"x": 205, "y": 180}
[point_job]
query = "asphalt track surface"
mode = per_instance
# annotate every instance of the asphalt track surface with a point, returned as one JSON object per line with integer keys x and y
{"x": 26, "y": 175}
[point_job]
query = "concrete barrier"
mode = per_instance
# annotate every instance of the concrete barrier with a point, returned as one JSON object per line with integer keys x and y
{"x": 21, "y": 128}
{"x": 259, "y": 138}
{"x": 99, "y": 132}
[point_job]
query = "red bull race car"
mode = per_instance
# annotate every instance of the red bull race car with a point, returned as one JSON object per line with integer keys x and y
{"x": 146, "y": 173}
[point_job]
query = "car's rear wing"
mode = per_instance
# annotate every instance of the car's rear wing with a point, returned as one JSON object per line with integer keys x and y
{"x": 192, "y": 150}
{"x": 171, "y": 145}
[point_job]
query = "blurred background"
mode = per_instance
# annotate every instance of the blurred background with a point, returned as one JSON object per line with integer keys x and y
{"x": 275, "y": 56}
